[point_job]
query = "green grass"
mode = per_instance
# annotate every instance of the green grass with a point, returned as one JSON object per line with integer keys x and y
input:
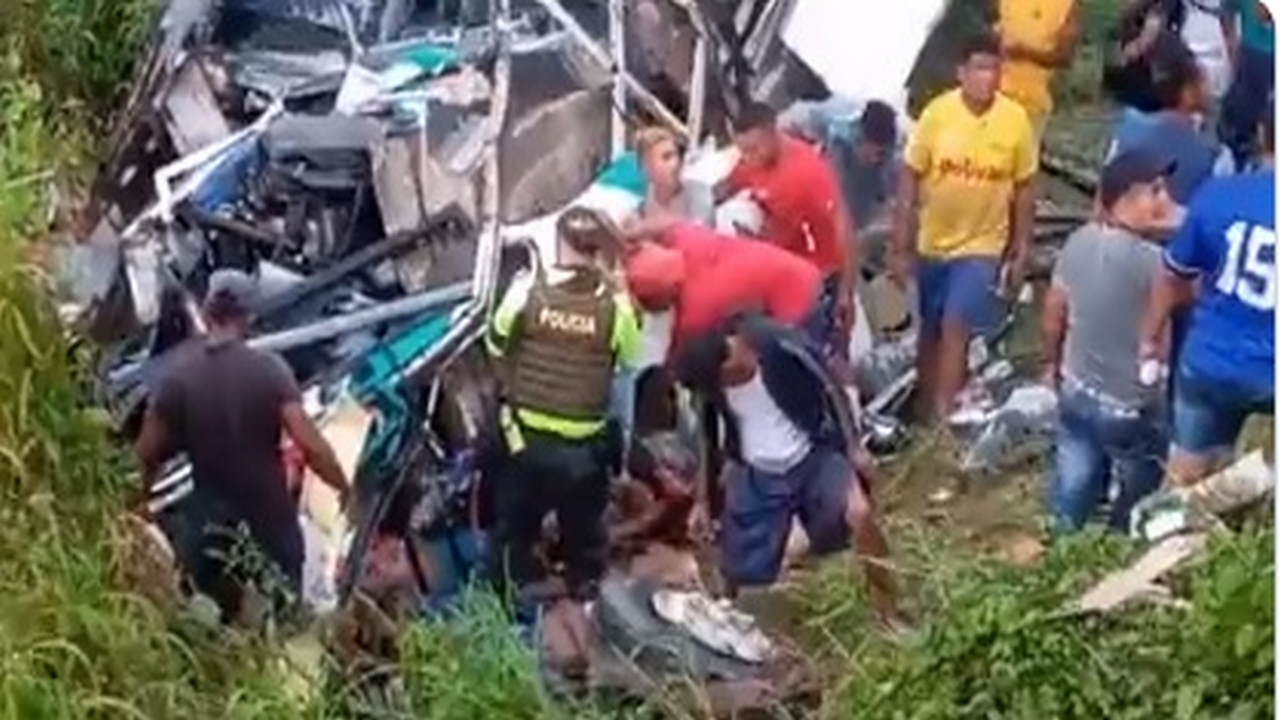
{"x": 74, "y": 642}
{"x": 77, "y": 643}
{"x": 995, "y": 642}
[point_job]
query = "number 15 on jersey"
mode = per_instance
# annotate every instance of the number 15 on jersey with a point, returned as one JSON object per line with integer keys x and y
{"x": 1249, "y": 273}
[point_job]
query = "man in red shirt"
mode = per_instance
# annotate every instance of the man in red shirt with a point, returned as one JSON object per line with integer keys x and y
{"x": 706, "y": 278}
{"x": 794, "y": 185}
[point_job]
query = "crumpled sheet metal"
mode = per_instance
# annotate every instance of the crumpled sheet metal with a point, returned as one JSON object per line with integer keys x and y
{"x": 206, "y": 78}
{"x": 554, "y": 153}
{"x": 1019, "y": 427}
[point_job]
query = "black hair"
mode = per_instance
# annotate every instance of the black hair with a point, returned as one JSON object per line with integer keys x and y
{"x": 587, "y": 231}
{"x": 1173, "y": 69}
{"x": 698, "y": 363}
{"x": 755, "y": 116}
{"x": 655, "y": 402}
{"x": 981, "y": 44}
{"x": 655, "y": 451}
{"x": 224, "y": 309}
{"x": 879, "y": 124}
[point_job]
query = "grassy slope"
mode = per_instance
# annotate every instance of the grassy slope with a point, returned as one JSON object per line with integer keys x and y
{"x": 74, "y": 645}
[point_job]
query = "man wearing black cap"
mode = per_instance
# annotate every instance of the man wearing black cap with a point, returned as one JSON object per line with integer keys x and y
{"x": 1109, "y": 421}
{"x": 225, "y": 404}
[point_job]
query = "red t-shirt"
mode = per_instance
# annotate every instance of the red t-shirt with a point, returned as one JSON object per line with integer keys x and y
{"x": 799, "y": 196}
{"x": 725, "y": 275}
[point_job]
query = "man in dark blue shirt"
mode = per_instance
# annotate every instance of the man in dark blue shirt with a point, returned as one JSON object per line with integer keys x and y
{"x": 1226, "y": 249}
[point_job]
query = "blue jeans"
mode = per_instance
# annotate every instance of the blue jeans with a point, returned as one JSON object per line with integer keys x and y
{"x": 1096, "y": 444}
{"x": 1208, "y": 415}
{"x": 622, "y": 399}
{"x": 962, "y": 289}
{"x": 760, "y": 505}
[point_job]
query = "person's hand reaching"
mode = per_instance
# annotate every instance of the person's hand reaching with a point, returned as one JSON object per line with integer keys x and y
{"x": 700, "y": 530}
{"x": 901, "y": 266}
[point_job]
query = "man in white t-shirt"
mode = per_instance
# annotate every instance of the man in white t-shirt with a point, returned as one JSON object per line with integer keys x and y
{"x": 793, "y": 449}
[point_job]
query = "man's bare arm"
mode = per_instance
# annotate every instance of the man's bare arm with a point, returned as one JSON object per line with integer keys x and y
{"x": 847, "y": 236}
{"x": 904, "y": 206}
{"x": 1022, "y": 226}
{"x": 1170, "y": 292}
{"x": 315, "y": 449}
{"x": 152, "y": 447}
{"x": 1053, "y": 331}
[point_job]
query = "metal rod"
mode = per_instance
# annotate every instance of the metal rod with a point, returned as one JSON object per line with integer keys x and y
{"x": 698, "y": 90}
{"x": 641, "y": 93}
{"x": 489, "y": 247}
{"x": 617, "y": 44}
{"x": 239, "y": 228}
{"x": 350, "y": 322}
{"x": 343, "y": 269}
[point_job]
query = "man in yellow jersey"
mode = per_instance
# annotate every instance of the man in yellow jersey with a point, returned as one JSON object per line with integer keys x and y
{"x": 1038, "y": 38}
{"x": 559, "y": 333}
{"x": 968, "y": 169}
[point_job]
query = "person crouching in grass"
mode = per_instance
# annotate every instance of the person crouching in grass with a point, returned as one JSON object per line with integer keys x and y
{"x": 791, "y": 438}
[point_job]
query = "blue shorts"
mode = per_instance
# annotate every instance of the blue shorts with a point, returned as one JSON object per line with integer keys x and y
{"x": 759, "y": 507}
{"x": 961, "y": 290}
{"x": 1208, "y": 415}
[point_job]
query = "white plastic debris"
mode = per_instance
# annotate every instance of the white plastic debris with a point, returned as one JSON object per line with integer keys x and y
{"x": 320, "y": 567}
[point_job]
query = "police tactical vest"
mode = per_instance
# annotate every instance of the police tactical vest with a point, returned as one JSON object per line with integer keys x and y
{"x": 562, "y": 361}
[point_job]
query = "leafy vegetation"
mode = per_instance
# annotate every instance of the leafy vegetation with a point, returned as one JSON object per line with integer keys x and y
{"x": 75, "y": 643}
{"x": 998, "y": 641}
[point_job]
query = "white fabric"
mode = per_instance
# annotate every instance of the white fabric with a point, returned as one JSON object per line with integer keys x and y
{"x": 1202, "y": 32}
{"x": 768, "y": 439}
{"x": 655, "y": 338}
{"x": 740, "y": 215}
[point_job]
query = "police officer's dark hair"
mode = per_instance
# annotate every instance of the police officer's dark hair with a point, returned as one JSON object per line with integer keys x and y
{"x": 698, "y": 364}
{"x": 879, "y": 124}
{"x": 587, "y": 231}
{"x": 980, "y": 44}
{"x": 1173, "y": 69}
{"x": 755, "y": 116}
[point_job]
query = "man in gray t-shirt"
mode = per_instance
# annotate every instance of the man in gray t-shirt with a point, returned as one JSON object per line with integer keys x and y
{"x": 1105, "y": 273}
{"x": 1110, "y": 423}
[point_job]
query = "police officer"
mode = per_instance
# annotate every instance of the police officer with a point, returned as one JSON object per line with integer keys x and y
{"x": 560, "y": 332}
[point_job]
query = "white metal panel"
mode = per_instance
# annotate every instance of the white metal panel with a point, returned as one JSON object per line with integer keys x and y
{"x": 861, "y": 49}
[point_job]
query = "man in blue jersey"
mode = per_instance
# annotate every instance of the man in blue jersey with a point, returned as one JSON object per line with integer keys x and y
{"x": 1226, "y": 249}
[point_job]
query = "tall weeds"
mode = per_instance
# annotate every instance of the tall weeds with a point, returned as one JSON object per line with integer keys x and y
{"x": 73, "y": 643}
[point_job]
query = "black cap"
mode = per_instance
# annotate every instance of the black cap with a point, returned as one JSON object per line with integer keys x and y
{"x": 231, "y": 292}
{"x": 1129, "y": 168}
{"x": 587, "y": 230}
